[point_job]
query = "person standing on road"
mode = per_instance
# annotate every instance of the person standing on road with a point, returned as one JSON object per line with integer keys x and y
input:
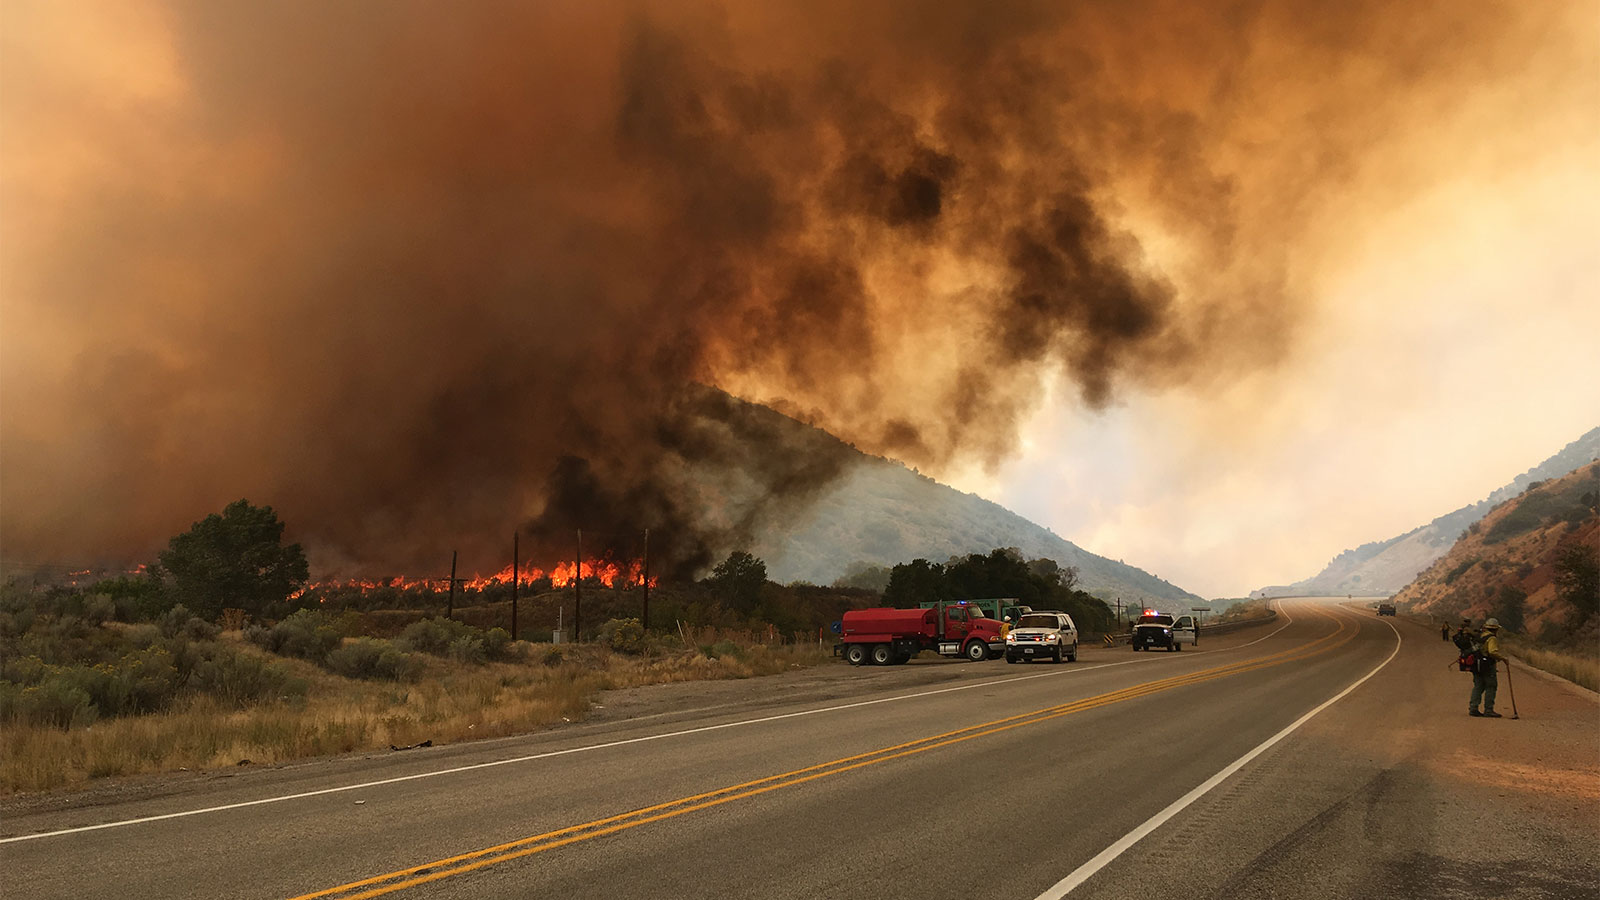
{"x": 1485, "y": 679}
{"x": 1444, "y": 631}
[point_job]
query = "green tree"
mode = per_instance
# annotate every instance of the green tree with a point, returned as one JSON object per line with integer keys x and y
{"x": 1578, "y": 580}
{"x": 1053, "y": 575}
{"x": 914, "y": 582}
{"x": 237, "y": 559}
{"x": 1002, "y": 573}
{"x": 1508, "y": 607}
{"x": 737, "y": 581}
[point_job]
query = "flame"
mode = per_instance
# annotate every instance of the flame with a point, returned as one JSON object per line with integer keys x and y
{"x": 611, "y": 573}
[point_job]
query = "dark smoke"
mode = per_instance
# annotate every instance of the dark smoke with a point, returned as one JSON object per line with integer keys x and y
{"x": 419, "y": 276}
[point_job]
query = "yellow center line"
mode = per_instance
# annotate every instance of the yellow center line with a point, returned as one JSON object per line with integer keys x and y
{"x": 477, "y": 859}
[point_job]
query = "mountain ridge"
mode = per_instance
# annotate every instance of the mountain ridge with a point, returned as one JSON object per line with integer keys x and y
{"x": 1384, "y": 567}
{"x": 880, "y": 512}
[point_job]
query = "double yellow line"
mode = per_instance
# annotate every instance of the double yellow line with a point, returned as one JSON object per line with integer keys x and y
{"x": 550, "y": 840}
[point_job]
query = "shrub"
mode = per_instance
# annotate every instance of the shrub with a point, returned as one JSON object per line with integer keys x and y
{"x": 135, "y": 598}
{"x": 179, "y": 622}
{"x": 98, "y": 608}
{"x": 456, "y": 640}
{"x": 497, "y": 643}
{"x": 373, "y": 658}
{"x": 435, "y": 635}
{"x": 623, "y": 636}
{"x": 1459, "y": 570}
{"x": 723, "y": 648}
{"x": 467, "y": 649}
{"x": 307, "y": 634}
{"x": 54, "y": 702}
{"x": 238, "y": 679}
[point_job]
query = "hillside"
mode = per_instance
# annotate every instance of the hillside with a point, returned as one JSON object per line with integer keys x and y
{"x": 880, "y": 512}
{"x": 1510, "y": 564}
{"x": 1384, "y": 567}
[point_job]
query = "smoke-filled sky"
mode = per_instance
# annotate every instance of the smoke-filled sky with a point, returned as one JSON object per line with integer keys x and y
{"x": 1219, "y": 289}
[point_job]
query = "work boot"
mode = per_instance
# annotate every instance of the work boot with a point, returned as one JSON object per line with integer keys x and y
{"x": 1473, "y": 712}
{"x": 1491, "y": 714}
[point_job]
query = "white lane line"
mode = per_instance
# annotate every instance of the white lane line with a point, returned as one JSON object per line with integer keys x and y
{"x": 122, "y": 823}
{"x": 1104, "y": 857}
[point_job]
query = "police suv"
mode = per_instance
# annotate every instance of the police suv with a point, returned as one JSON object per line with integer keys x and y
{"x": 1042, "y": 634}
{"x": 1159, "y": 630}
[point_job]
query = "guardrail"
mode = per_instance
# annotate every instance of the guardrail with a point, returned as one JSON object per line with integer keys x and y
{"x": 1112, "y": 640}
{"x": 1229, "y": 627}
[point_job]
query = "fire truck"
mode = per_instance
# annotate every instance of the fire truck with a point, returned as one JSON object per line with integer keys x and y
{"x": 888, "y": 637}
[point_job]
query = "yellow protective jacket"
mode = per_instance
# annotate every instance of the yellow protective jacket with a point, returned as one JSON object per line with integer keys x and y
{"x": 1491, "y": 645}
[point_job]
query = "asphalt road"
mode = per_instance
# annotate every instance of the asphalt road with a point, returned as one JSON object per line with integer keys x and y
{"x": 1192, "y": 774}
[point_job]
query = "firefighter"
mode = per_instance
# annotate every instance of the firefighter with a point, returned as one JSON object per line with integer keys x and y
{"x": 1484, "y": 677}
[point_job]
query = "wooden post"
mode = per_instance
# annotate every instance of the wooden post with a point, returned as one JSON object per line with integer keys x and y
{"x": 450, "y": 612}
{"x": 516, "y": 574}
{"x": 577, "y": 593}
{"x": 645, "y": 578}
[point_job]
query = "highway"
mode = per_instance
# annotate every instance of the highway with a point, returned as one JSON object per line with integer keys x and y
{"x": 1316, "y": 756}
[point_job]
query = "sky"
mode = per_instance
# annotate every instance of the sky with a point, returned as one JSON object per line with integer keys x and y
{"x": 1456, "y": 346}
{"x": 1219, "y": 289}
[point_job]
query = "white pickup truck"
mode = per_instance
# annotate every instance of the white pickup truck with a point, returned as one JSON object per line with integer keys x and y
{"x": 1160, "y": 630}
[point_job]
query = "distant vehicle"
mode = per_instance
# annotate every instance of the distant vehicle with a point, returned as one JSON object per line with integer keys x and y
{"x": 1386, "y": 608}
{"x": 1160, "y": 630}
{"x": 888, "y": 637}
{"x": 1042, "y": 634}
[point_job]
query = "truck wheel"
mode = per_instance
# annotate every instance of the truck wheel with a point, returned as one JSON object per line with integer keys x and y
{"x": 1072, "y": 656}
{"x": 900, "y": 659}
{"x": 1055, "y": 658}
{"x": 977, "y": 651}
{"x": 1010, "y": 658}
{"x": 1177, "y": 646}
{"x": 856, "y": 654}
{"x": 882, "y": 654}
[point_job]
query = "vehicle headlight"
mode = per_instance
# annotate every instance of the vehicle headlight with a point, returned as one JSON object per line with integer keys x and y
{"x": 1051, "y": 638}
{"x": 1166, "y": 631}
{"x": 1011, "y": 639}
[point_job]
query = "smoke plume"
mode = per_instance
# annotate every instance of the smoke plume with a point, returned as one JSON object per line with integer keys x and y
{"x": 418, "y": 276}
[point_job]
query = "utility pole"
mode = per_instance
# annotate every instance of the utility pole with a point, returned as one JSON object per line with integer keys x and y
{"x": 450, "y": 611}
{"x": 644, "y": 579}
{"x": 516, "y": 570}
{"x": 577, "y": 592}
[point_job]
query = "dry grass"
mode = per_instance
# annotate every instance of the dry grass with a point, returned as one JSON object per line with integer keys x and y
{"x": 339, "y": 715}
{"x": 1579, "y": 668}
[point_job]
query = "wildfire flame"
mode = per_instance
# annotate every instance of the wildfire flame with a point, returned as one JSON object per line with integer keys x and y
{"x": 611, "y": 573}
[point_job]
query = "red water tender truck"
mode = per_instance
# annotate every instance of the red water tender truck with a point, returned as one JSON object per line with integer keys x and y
{"x": 888, "y": 637}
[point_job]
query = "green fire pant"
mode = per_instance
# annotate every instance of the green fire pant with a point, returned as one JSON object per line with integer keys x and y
{"x": 1484, "y": 686}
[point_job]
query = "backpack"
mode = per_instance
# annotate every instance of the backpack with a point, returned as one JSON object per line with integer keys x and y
{"x": 1472, "y": 658}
